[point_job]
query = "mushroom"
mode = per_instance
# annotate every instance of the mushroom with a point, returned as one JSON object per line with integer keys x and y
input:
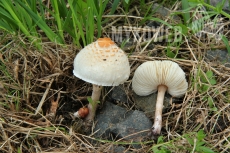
{"x": 101, "y": 63}
{"x": 162, "y": 76}
{"x": 82, "y": 112}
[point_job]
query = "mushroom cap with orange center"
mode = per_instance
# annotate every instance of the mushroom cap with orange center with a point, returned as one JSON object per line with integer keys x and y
{"x": 102, "y": 63}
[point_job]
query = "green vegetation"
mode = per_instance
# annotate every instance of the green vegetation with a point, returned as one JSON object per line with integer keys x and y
{"x": 80, "y": 19}
{"x": 193, "y": 142}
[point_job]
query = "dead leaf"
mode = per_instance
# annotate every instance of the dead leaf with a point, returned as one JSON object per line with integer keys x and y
{"x": 54, "y": 104}
{"x": 16, "y": 69}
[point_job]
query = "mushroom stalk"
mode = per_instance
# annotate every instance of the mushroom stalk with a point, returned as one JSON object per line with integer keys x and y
{"x": 93, "y": 105}
{"x": 156, "y": 129}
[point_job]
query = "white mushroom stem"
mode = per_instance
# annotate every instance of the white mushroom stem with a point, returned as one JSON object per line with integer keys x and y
{"x": 156, "y": 129}
{"x": 93, "y": 105}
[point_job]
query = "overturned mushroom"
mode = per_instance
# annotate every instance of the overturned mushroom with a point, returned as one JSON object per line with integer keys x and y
{"x": 162, "y": 76}
{"x": 101, "y": 63}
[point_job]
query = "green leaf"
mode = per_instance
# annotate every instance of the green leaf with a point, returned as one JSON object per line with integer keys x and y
{"x": 127, "y": 1}
{"x": 199, "y": 143}
{"x": 203, "y": 78}
{"x": 209, "y": 74}
{"x": 170, "y": 53}
{"x": 154, "y": 149}
{"x": 161, "y": 150}
{"x": 205, "y": 87}
{"x": 184, "y": 28}
{"x": 189, "y": 139}
{"x": 90, "y": 100}
{"x": 212, "y": 81}
{"x": 200, "y": 135}
{"x": 206, "y": 149}
{"x": 225, "y": 40}
{"x": 186, "y": 14}
{"x": 214, "y": 109}
{"x": 19, "y": 150}
{"x": 219, "y": 6}
{"x": 124, "y": 43}
{"x": 210, "y": 102}
{"x": 160, "y": 140}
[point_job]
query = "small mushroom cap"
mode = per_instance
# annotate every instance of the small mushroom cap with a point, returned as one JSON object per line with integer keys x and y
{"x": 102, "y": 63}
{"x": 149, "y": 75}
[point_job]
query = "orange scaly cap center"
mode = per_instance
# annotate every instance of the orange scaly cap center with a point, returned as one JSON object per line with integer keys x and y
{"x": 105, "y": 42}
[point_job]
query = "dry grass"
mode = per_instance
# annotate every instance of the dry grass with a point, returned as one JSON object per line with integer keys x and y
{"x": 39, "y": 93}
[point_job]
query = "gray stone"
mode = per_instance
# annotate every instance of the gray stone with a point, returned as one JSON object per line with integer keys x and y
{"x": 132, "y": 123}
{"x": 218, "y": 57}
{"x": 115, "y": 122}
{"x": 119, "y": 149}
{"x": 163, "y": 11}
{"x": 225, "y": 7}
{"x": 119, "y": 94}
{"x": 148, "y": 103}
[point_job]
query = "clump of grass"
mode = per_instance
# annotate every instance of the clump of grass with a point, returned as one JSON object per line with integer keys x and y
{"x": 79, "y": 19}
{"x": 192, "y": 142}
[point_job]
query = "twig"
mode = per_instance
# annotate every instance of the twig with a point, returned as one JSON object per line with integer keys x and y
{"x": 5, "y": 138}
{"x": 43, "y": 97}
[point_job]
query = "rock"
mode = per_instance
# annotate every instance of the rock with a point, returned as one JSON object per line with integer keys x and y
{"x": 215, "y": 2}
{"x": 119, "y": 94}
{"x": 163, "y": 11}
{"x": 118, "y": 149}
{"x": 218, "y": 57}
{"x": 148, "y": 103}
{"x": 115, "y": 122}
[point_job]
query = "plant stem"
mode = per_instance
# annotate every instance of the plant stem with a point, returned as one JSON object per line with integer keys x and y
{"x": 93, "y": 105}
{"x": 156, "y": 129}
{"x": 215, "y": 9}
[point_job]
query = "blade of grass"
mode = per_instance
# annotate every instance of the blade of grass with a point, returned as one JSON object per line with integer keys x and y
{"x": 20, "y": 19}
{"x": 225, "y": 40}
{"x": 57, "y": 17}
{"x": 6, "y": 27}
{"x": 186, "y": 14}
{"x": 68, "y": 25}
{"x": 42, "y": 9}
{"x": 113, "y": 9}
{"x": 99, "y": 19}
{"x": 90, "y": 24}
{"x": 217, "y": 9}
{"x": 42, "y": 24}
{"x": 8, "y": 5}
{"x": 32, "y": 4}
{"x": 76, "y": 23}
{"x": 99, "y": 8}
{"x": 6, "y": 22}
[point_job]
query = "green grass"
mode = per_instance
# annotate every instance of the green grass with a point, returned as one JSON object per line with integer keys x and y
{"x": 196, "y": 143}
{"x": 80, "y": 21}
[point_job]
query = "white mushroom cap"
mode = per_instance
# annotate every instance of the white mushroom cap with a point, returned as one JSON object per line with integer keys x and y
{"x": 149, "y": 75}
{"x": 102, "y": 63}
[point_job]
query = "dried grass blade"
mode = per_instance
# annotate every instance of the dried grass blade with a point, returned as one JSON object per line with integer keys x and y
{"x": 44, "y": 97}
